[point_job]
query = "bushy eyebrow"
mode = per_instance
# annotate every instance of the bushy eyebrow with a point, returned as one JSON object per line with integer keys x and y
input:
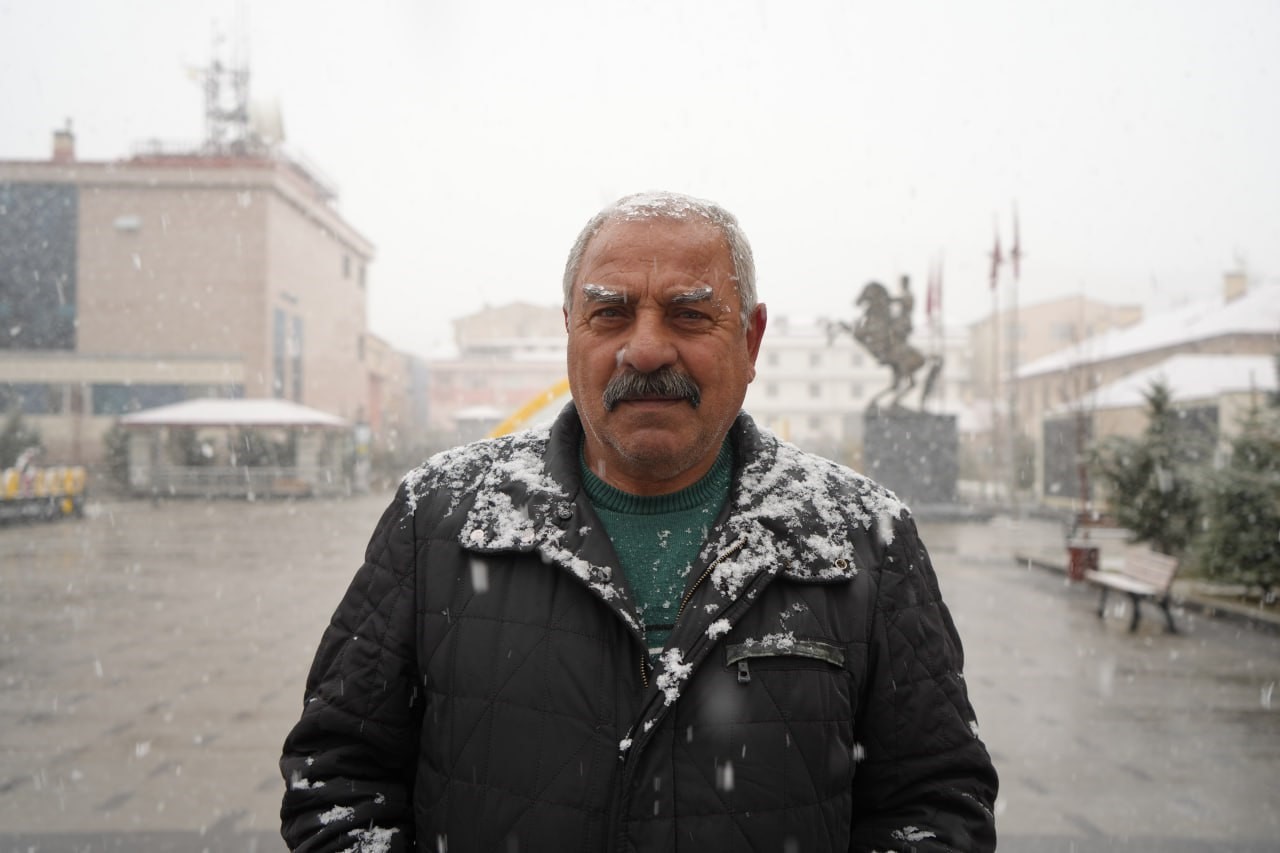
{"x": 701, "y": 294}
{"x": 599, "y": 293}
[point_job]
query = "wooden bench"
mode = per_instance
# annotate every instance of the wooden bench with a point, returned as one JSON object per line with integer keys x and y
{"x": 1146, "y": 575}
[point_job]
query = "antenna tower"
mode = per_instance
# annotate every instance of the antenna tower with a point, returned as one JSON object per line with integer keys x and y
{"x": 226, "y": 98}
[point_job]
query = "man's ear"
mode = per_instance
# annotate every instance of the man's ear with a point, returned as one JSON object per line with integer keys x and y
{"x": 565, "y": 312}
{"x": 756, "y": 322}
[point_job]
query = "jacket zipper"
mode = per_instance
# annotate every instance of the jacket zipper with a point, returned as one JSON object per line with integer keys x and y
{"x": 620, "y": 782}
{"x": 733, "y": 549}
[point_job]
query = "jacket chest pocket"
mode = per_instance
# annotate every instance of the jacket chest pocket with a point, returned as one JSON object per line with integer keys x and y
{"x": 776, "y": 720}
{"x": 788, "y": 654}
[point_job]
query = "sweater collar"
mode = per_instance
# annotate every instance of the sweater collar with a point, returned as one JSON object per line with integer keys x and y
{"x": 713, "y": 486}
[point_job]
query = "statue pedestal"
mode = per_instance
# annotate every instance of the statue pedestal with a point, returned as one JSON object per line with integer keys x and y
{"x": 917, "y": 454}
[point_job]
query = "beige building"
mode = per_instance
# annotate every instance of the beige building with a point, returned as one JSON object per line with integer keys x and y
{"x": 1034, "y": 332}
{"x": 168, "y": 277}
{"x": 1062, "y": 393}
{"x": 813, "y": 389}
{"x": 507, "y": 356}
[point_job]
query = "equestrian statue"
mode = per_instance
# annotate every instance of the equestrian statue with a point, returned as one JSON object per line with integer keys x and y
{"x": 883, "y": 330}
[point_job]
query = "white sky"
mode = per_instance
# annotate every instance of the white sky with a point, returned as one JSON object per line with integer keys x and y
{"x": 471, "y": 139}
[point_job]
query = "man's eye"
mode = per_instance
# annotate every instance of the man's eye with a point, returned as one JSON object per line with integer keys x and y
{"x": 606, "y": 314}
{"x": 689, "y": 314}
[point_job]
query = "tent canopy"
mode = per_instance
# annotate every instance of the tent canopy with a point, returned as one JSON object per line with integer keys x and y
{"x": 210, "y": 412}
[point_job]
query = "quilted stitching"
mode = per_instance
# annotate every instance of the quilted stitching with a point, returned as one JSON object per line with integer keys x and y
{"x": 524, "y": 690}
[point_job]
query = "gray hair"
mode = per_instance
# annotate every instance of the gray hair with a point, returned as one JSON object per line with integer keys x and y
{"x": 681, "y": 208}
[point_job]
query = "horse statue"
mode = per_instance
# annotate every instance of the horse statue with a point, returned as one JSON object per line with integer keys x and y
{"x": 883, "y": 330}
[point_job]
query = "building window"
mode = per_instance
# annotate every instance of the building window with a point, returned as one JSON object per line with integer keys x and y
{"x": 815, "y": 390}
{"x": 113, "y": 398}
{"x": 295, "y": 360}
{"x": 31, "y": 398}
{"x": 815, "y": 359}
{"x": 278, "y": 352}
{"x": 856, "y": 359}
{"x": 855, "y": 390}
{"x": 773, "y": 359}
{"x": 346, "y": 266}
{"x": 771, "y": 389}
{"x": 815, "y": 422}
{"x": 38, "y": 227}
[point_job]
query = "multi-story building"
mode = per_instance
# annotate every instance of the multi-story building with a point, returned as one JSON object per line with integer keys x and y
{"x": 1010, "y": 339}
{"x": 506, "y": 356}
{"x": 812, "y": 388}
{"x": 1060, "y": 396}
{"x": 164, "y": 277}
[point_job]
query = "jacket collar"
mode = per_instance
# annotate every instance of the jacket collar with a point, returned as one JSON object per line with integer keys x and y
{"x": 792, "y": 512}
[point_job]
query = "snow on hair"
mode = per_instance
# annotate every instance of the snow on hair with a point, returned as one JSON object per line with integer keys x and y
{"x": 682, "y": 208}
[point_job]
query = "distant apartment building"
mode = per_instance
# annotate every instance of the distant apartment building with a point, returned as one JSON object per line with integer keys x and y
{"x": 1011, "y": 339}
{"x": 165, "y": 277}
{"x": 1210, "y": 353}
{"x": 506, "y": 356}
{"x": 812, "y": 388}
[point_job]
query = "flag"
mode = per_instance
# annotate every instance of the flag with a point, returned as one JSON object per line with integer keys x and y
{"x": 933, "y": 297}
{"x": 930, "y": 295}
{"x": 996, "y": 260}
{"x": 1015, "y": 254}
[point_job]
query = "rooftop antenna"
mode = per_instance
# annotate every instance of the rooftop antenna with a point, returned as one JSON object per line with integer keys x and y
{"x": 226, "y": 98}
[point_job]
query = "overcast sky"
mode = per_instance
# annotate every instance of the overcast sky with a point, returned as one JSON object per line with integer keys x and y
{"x": 855, "y": 141}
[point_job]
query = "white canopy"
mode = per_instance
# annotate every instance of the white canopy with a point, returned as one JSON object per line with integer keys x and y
{"x": 210, "y": 412}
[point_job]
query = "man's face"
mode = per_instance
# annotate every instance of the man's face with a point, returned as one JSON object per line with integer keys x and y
{"x": 656, "y": 299}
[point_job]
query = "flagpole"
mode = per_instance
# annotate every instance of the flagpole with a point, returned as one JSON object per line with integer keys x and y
{"x": 1015, "y": 335}
{"x": 994, "y": 470}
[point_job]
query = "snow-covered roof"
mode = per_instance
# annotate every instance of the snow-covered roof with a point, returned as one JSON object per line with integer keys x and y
{"x": 1189, "y": 378}
{"x": 247, "y": 413}
{"x": 1257, "y": 312}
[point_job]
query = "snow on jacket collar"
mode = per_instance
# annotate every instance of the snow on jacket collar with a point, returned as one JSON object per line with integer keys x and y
{"x": 789, "y": 512}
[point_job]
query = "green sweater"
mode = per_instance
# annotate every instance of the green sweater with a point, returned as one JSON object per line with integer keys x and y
{"x": 657, "y": 539}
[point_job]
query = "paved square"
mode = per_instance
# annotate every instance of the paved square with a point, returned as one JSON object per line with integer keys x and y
{"x": 152, "y": 658}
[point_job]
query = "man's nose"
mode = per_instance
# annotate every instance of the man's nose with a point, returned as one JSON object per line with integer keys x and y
{"x": 650, "y": 345}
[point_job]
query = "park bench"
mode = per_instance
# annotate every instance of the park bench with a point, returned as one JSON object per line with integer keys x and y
{"x": 1146, "y": 575}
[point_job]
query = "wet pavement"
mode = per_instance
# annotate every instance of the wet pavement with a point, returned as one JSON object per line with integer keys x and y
{"x": 152, "y": 659}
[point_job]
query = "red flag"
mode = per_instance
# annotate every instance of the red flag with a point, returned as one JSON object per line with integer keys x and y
{"x": 929, "y": 295}
{"x": 996, "y": 260}
{"x": 933, "y": 297}
{"x": 1015, "y": 254}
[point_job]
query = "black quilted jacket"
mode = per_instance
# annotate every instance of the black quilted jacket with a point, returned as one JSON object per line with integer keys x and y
{"x": 483, "y": 685}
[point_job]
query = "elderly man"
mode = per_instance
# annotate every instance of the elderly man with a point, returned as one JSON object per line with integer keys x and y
{"x": 650, "y": 627}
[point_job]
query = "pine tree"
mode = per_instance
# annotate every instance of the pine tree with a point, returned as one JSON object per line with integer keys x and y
{"x": 1241, "y": 542}
{"x": 1149, "y": 479}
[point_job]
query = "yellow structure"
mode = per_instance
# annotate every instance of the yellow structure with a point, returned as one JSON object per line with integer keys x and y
{"x": 531, "y": 408}
{"x": 41, "y": 493}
